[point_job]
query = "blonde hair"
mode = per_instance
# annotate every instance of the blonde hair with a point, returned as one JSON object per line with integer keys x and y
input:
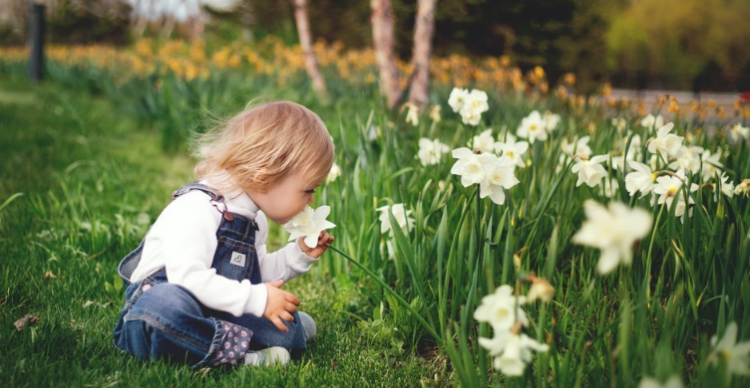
{"x": 263, "y": 144}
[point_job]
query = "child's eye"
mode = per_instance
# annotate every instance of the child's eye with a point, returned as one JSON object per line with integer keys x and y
{"x": 311, "y": 191}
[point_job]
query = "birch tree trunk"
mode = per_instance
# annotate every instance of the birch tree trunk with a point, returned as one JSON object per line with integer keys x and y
{"x": 382, "y": 37}
{"x": 423, "y": 28}
{"x": 305, "y": 40}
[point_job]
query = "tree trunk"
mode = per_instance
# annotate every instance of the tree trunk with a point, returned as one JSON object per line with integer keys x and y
{"x": 382, "y": 37}
{"x": 305, "y": 40}
{"x": 423, "y": 27}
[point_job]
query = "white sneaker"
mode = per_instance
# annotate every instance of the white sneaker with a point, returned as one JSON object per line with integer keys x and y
{"x": 267, "y": 356}
{"x": 311, "y": 329}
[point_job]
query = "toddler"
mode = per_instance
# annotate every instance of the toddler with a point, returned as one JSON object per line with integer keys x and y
{"x": 201, "y": 287}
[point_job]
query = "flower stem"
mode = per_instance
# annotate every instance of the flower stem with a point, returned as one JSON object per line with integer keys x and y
{"x": 388, "y": 289}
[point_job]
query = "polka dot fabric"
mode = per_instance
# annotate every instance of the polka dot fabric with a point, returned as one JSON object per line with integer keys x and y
{"x": 234, "y": 344}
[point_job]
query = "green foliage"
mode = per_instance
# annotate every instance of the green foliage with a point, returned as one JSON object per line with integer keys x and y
{"x": 81, "y": 162}
{"x": 667, "y": 37}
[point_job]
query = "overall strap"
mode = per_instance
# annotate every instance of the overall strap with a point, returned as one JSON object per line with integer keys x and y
{"x": 196, "y": 186}
{"x": 215, "y": 198}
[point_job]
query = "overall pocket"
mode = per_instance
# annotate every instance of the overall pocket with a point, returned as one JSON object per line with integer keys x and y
{"x": 234, "y": 259}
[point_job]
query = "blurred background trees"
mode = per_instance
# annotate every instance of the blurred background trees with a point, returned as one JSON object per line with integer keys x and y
{"x": 669, "y": 44}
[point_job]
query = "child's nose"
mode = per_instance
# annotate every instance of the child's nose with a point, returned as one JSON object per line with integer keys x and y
{"x": 310, "y": 200}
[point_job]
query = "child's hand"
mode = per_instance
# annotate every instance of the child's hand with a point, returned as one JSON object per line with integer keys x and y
{"x": 281, "y": 305}
{"x": 324, "y": 240}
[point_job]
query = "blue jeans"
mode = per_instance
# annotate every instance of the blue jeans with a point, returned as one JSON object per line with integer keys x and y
{"x": 163, "y": 320}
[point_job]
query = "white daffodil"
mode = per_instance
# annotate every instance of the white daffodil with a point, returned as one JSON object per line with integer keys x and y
{"x": 401, "y": 215}
{"x": 469, "y": 166}
{"x": 668, "y": 187}
{"x": 711, "y": 164}
{"x": 550, "y": 121}
{"x": 610, "y": 187}
{"x": 739, "y": 133}
{"x": 727, "y": 187}
{"x": 532, "y": 128}
{"x": 334, "y": 173}
{"x": 431, "y": 151}
{"x": 309, "y": 223}
{"x": 579, "y": 148}
{"x": 540, "y": 289}
{"x": 653, "y": 161}
{"x": 498, "y": 176}
{"x": 470, "y": 105}
{"x": 435, "y": 113}
{"x": 743, "y": 188}
{"x": 641, "y": 180}
{"x": 476, "y": 100}
{"x": 665, "y": 144}
{"x": 651, "y": 121}
{"x": 514, "y": 352}
{"x": 672, "y": 382}
{"x": 633, "y": 152}
{"x": 735, "y": 355}
{"x": 613, "y": 230}
{"x": 470, "y": 117}
{"x": 502, "y": 309}
{"x": 457, "y": 98}
{"x": 484, "y": 142}
{"x": 590, "y": 171}
{"x": 412, "y": 114}
{"x": 512, "y": 149}
{"x": 619, "y": 124}
{"x": 688, "y": 158}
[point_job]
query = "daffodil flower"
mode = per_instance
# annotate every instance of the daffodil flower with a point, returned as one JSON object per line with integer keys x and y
{"x": 613, "y": 230}
{"x": 309, "y": 223}
{"x": 665, "y": 144}
{"x": 668, "y": 187}
{"x": 739, "y": 133}
{"x": 502, "y": 309}
{"x": 498, "y": 176}
{"x": 484, "y": 142}
{"x": 591, "y": 172}
{"x": 735, "y": 355}
{"x": 711, "y": 164}
{"x": 550, "y": 121}
{"x": 513, "y": 150}
{"x": 532, "y": 128}
{"x": 431, "y": 151}
{"x": 672, "y": 382}
{"x": 517, "y": 353}
{"x": 743, "y": 188}
{"x": 688, "y": 158}
{"x": 334, "y": 173}
{"x": 651, "y": 121}
{"x": 399, "y": 213}
{"x": 641, "y": 180}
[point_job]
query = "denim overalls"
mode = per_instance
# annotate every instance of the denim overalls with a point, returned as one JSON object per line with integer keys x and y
{"x": 163, "y": 320}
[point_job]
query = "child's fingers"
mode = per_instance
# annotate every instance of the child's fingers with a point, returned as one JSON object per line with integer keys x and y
{"x": 286, "y": 316}
{"x": 325, "y": 239}
{"x": 291, "y": 308}
{"x": 277, "y": 283}
{"x": 279, "y": 324}
{"x": 292, "y": 299}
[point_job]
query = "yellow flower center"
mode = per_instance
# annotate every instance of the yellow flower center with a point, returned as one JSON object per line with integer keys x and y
{"x": 532, "y": 127}
{"x": 510, "y": 154}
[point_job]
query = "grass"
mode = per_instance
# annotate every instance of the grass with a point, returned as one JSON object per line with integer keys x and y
{"x": 416, "y": 288}
{"x": 91, "y": 180}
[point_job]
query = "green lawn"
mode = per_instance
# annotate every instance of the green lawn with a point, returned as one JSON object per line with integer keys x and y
{"x": 92, "y": 179}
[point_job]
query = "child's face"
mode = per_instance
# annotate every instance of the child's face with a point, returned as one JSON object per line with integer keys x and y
{"x": 284, "y": 200}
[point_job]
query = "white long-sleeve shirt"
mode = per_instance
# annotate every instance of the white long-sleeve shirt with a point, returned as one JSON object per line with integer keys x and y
{"x": 183, "y": 240}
